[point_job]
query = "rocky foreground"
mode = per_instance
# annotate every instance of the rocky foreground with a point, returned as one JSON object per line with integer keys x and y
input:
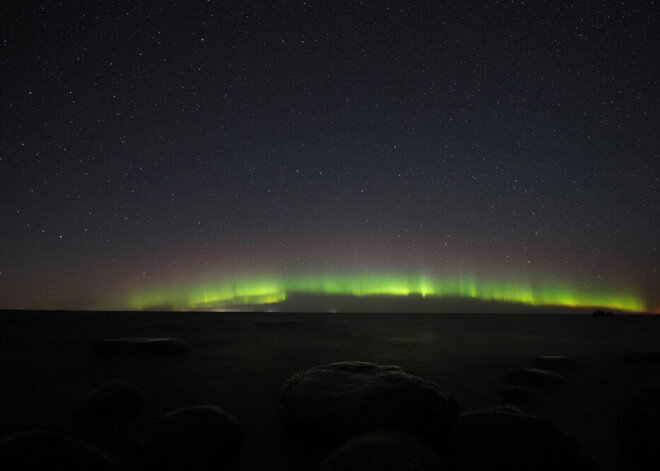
{"x": 347, "y": 415}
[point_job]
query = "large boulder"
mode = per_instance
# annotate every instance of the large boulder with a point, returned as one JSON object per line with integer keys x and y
{"x": 383, "y": 451}
{"x": 196, "y": 438}
{"x": 639, "y": 428}
{"x": 140, "y": 346}
{"x": 114, "y": 402}
{"x": 333, "y": 402}
{"x": 44, "y": 449}
{"x": 489, "y": 440}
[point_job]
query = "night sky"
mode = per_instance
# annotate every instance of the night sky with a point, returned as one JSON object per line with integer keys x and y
{"x": 192, "y": 155}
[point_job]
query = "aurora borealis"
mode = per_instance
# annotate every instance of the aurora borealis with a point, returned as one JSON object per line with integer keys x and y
{"x": 219, "y": 294}
{"x": 217, "y": 155}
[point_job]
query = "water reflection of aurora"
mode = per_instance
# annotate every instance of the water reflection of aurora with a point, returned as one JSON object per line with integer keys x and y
{"x": 227, "y": 292}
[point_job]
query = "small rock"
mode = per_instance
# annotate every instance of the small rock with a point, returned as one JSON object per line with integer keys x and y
{"x": 642, "y": 357}
{"x": 197, "y": 438}
{"x": 520, "y": 395}
{"x": 340, "y": 400}
{"x": 554, "y": 362}
{"x": 382, "y": 451}
{"x": 539, "y": 378}
{"x": 141, "y": 346}
{"x": 113, "y": 402}
{"x": 639, "y": 428}
{"x": 487, "y": 440}
{"x": 42, "y": 449}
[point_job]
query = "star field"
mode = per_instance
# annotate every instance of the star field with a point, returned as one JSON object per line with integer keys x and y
{"x": 149, "y": 144}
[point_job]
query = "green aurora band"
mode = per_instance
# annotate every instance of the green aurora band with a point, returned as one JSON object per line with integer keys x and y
{"x": 224, "y": 293}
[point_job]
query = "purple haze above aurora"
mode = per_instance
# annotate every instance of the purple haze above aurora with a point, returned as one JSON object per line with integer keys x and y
{"x": 202, "y": 155}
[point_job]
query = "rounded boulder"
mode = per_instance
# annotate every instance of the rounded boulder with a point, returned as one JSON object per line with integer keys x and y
{"x": 340, "y": 400}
